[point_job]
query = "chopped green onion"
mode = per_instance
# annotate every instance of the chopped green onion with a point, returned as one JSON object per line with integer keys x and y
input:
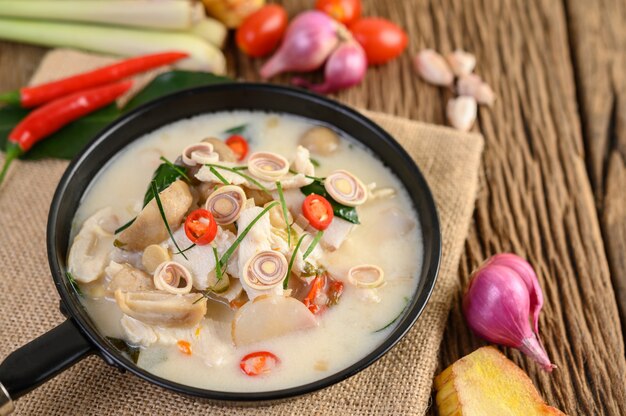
{"x": 314, "y": 243}
{"x": 281, "y": 195}
{"x": 315, "y": 178}
{"x": 187, "y": 249}
{"x": 243, "y": 175}
{"x": 73, "y": 283}
{"x": 219, "y": 176}
{"x": 315, "y": 162}
{"x": 176, "y": 168}
{"x": 237, "y": 129}
{"x": 406, "y": 304}
{"x": 291, "y": 260}
{"x": 218, "y": 268}
{"x": 243, "y": 234}
{"x": 125, "y": 226}
{"x": 155, "y": 191}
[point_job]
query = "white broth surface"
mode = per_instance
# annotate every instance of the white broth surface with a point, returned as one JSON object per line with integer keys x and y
{"x": 388, "y": 236}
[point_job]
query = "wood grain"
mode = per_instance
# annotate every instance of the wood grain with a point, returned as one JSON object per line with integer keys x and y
{"x": 536, "y": 197}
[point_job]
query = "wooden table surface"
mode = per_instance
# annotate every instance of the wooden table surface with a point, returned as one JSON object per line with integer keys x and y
{"x": 553, "y": 183}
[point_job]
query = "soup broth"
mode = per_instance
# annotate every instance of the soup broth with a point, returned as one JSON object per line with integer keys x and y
{"x": 332, "y": 313}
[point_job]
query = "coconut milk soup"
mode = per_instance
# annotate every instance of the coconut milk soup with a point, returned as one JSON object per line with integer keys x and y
{"x": 289, "y": 251}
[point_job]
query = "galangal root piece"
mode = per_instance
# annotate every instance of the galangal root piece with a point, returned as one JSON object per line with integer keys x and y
{"x": 149, "y": 228}
{"x": 486, "y": 383}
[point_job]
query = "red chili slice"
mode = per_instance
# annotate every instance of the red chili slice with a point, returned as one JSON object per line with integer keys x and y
{"x": 200, "y": 227}
{"x": 239, "y": 145}
{"x": 259, "y": 362}
{"x": 318, "y": 211}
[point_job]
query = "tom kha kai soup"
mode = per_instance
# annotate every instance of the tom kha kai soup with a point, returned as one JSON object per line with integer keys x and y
{"x": 245, "y": 251}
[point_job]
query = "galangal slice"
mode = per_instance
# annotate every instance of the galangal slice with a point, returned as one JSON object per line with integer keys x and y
{"x": 268, "y": 317}
{"x": 486, "y": 383}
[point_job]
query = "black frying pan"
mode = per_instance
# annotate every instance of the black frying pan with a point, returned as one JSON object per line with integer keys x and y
{"x": 77, "y": 337}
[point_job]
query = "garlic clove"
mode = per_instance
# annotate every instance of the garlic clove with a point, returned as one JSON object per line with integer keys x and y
{"x": 433, "y": 68}
{"x": 226, "y": 203}
{"x": 345, "y": 188}
{"x": 461, "y": 62}
{"x": 473, "y": 86}
{"x": 461, "y": 112}
{"x": 199, "y": 154}
{"x": 267, "y": 166}
{"x": 168, "y": 276}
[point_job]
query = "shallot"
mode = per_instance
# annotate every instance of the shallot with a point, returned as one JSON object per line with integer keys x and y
{"x": 461, "y": 112}
{"x": 345, "y": 68}
{"x": 501, "y": 299}
{"x": 310, "y": 39}
{"x": 472, "y": 85}
{"x": 461, "y": 62}
{"x": 433, "y": 68}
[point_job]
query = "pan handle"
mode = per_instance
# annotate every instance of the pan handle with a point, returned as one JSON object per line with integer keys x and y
{"x": 41, "y": 359}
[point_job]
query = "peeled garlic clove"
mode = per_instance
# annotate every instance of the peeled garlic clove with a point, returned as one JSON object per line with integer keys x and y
{"x": 462, "y": 112}
{"x": 153, "y": 256}
{"x": 433, "y": 68}
{"x": 472, "y": 85}
{"x": 226, "y": 203}
{"x": 461, "y": 62}
{"x": 267, "y": 166}
{"x": 345, "y": 188}
{"x": 199, "y": 154}
{"x": 168, "y": 276}
{"x": 164, "y": 309}
{"x": 320, "y": 140}
{"x": 366, "y": 276}
{"x": 485, "y": 95}
{"x": 265, "y": 270}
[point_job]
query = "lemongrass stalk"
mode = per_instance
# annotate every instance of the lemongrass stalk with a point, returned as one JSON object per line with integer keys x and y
{"x": 211, "y": 30}
{"x": 171, "y": 15}
{"x": 116, "y": 41}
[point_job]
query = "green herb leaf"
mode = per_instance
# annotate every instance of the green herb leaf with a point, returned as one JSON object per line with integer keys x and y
{"x": 179, "y": 169}
{"x": 165, "y": 175}
{"x": 313, "y": 244}
{"x": 237, "y": 129}
{"x": 219, "y": 176}
{"x": 281, "y": 195}
{"x": 73, "y": 283}
{"x": 315, "y": 162}
{"x": 291, "y": 260}
{"x": 130, "y": 350}
{"x": 340, "y": 210}
{"x": 224, "y": 260}
{"x": 236, "y": 170}
{"x": 155, "y": 193}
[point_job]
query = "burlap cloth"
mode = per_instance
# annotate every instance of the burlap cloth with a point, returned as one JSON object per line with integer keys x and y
{"x": 399, "y": 383}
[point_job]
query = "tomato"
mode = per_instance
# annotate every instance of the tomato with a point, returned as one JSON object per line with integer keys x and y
{"x": 259, "y": 362}
{"x": 318, "y": 211}
{"x": 261, "y": 32}
{"x": 344, "y": 11}
{"x": 239, "y": 145}
{"x": 200, "y": 227}
{"x": 381, "y": 39}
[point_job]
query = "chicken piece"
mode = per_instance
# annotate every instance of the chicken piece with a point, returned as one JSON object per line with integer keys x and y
{"x": 92, "y": 247}
{"x": 163, "y": 309}
{"x": 258, "y": 239}
{"x": 208, "y": 339}
{"x": 302, "y": 163}
{"x": 336, "y": 233}
{"x": 127, "y": 278}
{"x": 200, "y": 260}
{"x": 149, "y": 228}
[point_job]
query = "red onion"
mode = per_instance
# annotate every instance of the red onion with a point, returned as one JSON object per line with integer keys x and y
{"x": 309, "y": 39}
{"x": 499, "y": 301}
{"x": 345, "y": 68}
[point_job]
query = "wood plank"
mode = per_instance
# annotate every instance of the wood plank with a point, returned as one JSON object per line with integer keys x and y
{"x": 598, "y": 44}
{"x": 17, "y": 64}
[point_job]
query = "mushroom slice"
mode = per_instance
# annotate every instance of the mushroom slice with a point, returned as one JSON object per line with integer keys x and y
{"x": 153, "y": 256}
{"x": 164, "y": 309}
{"x": 148, "y": 228}
{"x": 320, "y": 140}
{"x": 366, "y": 276}
{"x": 267, "y": 166}
{"x": 168, "y": 277}
{"x": 127, "y": 278}
{"x": 224, "y": 152}
{"x": 345, "y": 188}
{"x": 265, "y": 270}
{"x": 199, "y": 154}
{"x": 269, "y": 317}
{"x": 226, "y": 203}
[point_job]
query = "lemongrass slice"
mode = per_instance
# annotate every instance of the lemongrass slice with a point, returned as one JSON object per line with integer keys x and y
{"x": 267, "y": 166}
{"x": 168, "y": 275}
{"x": 366, "y": 276}
{"x": 226, "y": 203}
{"x": 199, "y": 154}
{"x": 345, "y": 188}
{"x": 265, "y": 270}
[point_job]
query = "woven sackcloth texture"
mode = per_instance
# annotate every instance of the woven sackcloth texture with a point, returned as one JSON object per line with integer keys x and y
{"x": 399, "y": 383}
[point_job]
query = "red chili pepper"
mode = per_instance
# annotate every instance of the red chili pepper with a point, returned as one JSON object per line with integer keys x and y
{"x": 318, "y": 211}
{"x": 259, "y": 362}
{"x": 316, "y": 287}
{"x": 239, "y": 145}
{"x": 29, "y": 97}
{"x": 200, "y": 227}
{"x": 49, "y": 118}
